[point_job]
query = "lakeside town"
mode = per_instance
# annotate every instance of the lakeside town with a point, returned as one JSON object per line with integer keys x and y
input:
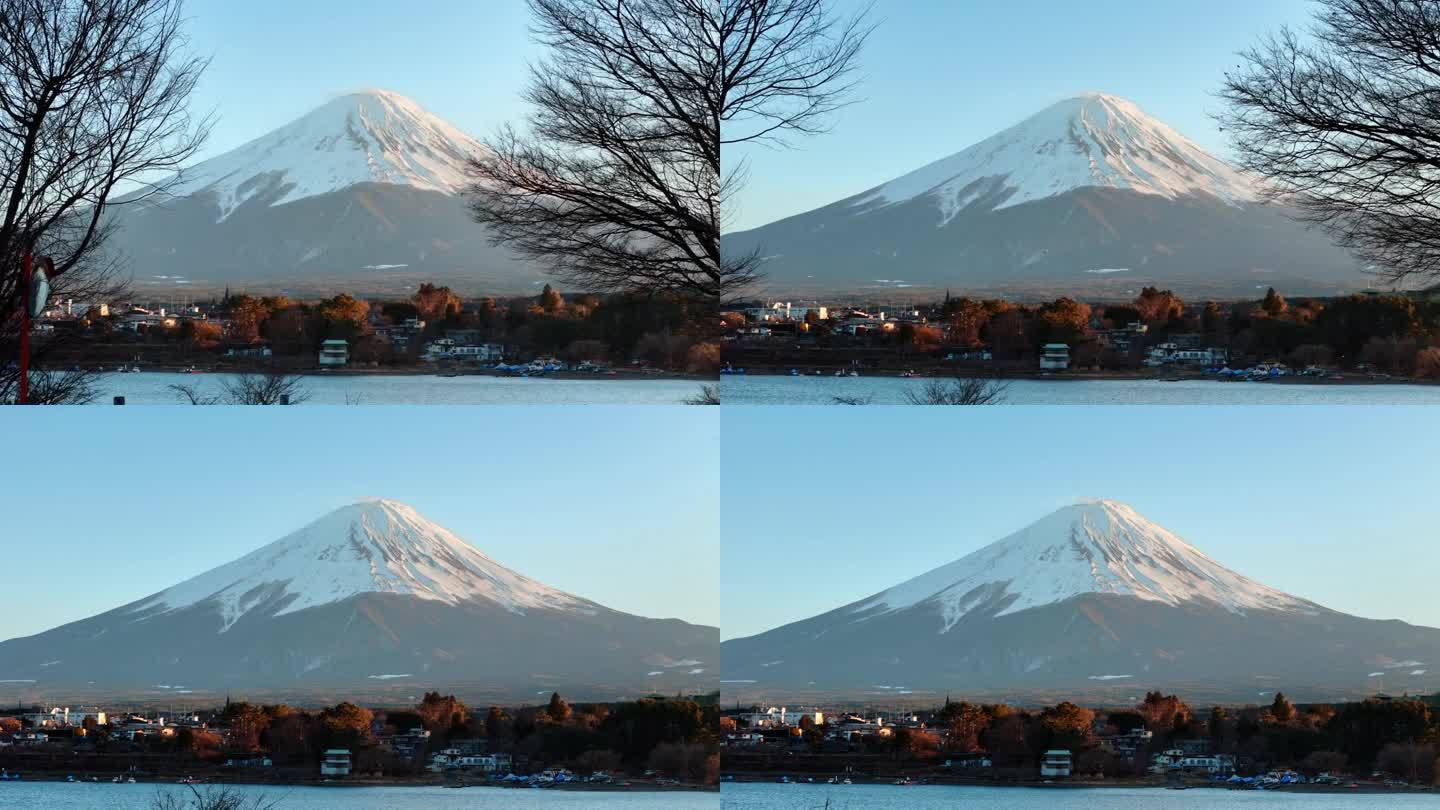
{"x": 654, "y": 743}
{"x": 1382, "y": 743}
{"x": 433, "y": 331}
{"x": 1370, "y": 337}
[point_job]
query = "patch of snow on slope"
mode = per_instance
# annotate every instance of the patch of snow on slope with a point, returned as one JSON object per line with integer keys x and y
{"x": 374, "y": 136}
{"x": 1093, "y": 140}
{"x": 375, "y": 546}
{"x": 1096, "y": 547}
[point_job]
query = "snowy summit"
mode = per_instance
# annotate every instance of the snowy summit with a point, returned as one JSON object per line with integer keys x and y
{"x": 373, "y": 546}
{"x": 1092, "y": 140}
{"x": 1093, "y": 547}
{"x": 372, "y": 136}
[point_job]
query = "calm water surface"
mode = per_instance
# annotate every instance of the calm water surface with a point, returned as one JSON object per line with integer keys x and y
{"x": 152, "y": 388}
{"x": 782, "y": 390}
{"x": 65, "y": 796}
{"x": 925, "y": 797}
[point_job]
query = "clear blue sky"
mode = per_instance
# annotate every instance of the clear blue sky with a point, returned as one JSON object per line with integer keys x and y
{"x": 824, "y": 506}
{"x": 108, "y": 505}
{"x": 941, "y": 75}
{"x": 275, "y": 60}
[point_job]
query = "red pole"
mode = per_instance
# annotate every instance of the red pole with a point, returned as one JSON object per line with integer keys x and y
{"x": 25, "y": 274}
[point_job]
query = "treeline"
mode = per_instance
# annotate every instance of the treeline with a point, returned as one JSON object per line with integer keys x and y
{"x": 1399, "y": 736}
{"x": 675, "y": 736}
{"x": 663, "y": 329}
{"x": 1395, "y": 333}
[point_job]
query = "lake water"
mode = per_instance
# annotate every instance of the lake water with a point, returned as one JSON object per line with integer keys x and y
{"x": 785, "y": 390}
{"x": 152, "y": 388}
{"x": 65, "y": 796}
{"x": 924, "y": 797}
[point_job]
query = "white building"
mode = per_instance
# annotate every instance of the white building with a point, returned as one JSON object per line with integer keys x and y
{"x": 63, "y": 717}
{"x": 1055, "y": 763}
{"x": 452, "y": 759}
{"x": 336, "y": 762}
{"x": 785, "y": 311}
{"x": 1055, "y": 357}
{"x": 780, "y": 717}
{"x": 334, "y": 353}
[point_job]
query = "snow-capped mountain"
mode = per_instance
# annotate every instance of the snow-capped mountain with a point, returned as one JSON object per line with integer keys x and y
{"x": 1092, "y": 593}
{"x": 1101, "y": 547}
{"x": 374, "y": 546}
{"x": 365, "y": 190}
{"x": 1090, "y": 141}
{"x": 373, "y": 136}
{"x": 372, "y": 592}
{"x": 1089, "y": 190}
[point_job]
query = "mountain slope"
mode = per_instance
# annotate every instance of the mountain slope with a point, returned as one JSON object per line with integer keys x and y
{"x": 1089, "y": 192}
{"x": 1090, "y": 594}
{"x": 370, "y": 137}
{"x": 363, "y": 190}
{"x": 369, "y": 593}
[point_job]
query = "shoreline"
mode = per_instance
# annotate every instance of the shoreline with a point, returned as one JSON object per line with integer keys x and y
{"x": 1351, "y": 378}
{"x": 618, "y": 376}
{"x": 1366, "y": 786}
{"x": 378, "y": 782}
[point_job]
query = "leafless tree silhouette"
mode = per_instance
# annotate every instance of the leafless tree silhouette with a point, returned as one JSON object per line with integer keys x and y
{"x": 1344, "y": 122}
{"x": 959, "y": 391}
{"x": 264, "y": 388}
{"x": 618, "y": 184}
{"x": 93, "y": 104}
{"x": 786, "y": 66}
{"x": 709, "y": 395}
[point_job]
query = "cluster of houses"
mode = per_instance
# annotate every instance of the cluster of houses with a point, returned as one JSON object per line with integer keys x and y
{"x": 788, "y": 319}
{"x": 457, "y": 344}
{"x": 761, "y": 725}
{"x": 50, "y": 725}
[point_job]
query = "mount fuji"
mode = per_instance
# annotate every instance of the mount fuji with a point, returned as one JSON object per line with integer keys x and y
{"x": 1093, "y": 594}
{"x": 1090, "y": 193}
{"x": 368, "y": 594}
{"x": 365, "y": 190}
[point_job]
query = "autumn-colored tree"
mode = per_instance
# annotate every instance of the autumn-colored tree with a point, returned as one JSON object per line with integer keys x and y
{"x": 246, "y": 316}
{"x": 436, "y": 303}
{"x": 557, "y": 710}
{"x": 1069, "y": 726}
{"x": 440, "y": 712}
{"x": 1164, "y": 714}
{"x": 1273, "y": 303}
{"x": 344, "y": 311}
{"x": 1158, "y": 306}
{"x": 964, "y": 724}
{"x": 1281, "y": 709}
{"x": 967, "y": 320}
{"x": 551, "y": 300}
{"x": 346, "y": 725}
{"x": 1064, "y": 320}
{"x": 1427, "y": 363}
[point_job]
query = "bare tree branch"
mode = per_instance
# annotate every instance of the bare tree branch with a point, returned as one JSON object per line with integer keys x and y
{"x": 93, "y": 97}
{"x": 1344, "y": 121}
{"x": 959, "y": 391}
{"x": 618, "y": 183}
